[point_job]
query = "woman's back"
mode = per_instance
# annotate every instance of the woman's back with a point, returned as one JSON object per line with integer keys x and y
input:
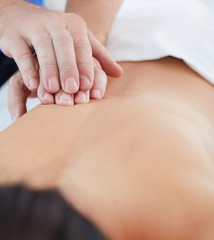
{"x": 143, "y": 156}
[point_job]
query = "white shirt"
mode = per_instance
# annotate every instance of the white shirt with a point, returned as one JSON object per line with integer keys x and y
{"x": 152, "y": 29}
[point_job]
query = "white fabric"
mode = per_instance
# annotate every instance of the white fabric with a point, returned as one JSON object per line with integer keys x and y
{"x": 55, "y": 4}
{"x": 151, "y": 29}
{"x": 4, "y": 114}
{"x": 5, "y": 119}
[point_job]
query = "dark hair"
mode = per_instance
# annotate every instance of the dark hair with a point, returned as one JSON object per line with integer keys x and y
{"x": 27, "y": 214}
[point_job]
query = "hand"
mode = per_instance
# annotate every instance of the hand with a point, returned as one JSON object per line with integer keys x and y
{"x": 18, "y": 93}
{"x": 63, "y": 45}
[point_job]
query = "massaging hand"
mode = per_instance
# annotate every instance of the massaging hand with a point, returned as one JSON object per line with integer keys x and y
{"x": 63, "y": 46}
{"x": 18, "y": 92}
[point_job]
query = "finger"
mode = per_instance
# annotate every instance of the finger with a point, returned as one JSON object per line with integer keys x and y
{"x": 100, "y": 82}
{"x": 17, "y": 96}
{"x": 81, "y": 97}
{"x": 64, "y": 99}
{"x": 66, "y": 59}
{"x": 44, "y": 96}
{"x": 109, "y": 66}
{"x": 43, "y": 46}
{"x": 23, "y": 57}
{"x": 83, "y": 53}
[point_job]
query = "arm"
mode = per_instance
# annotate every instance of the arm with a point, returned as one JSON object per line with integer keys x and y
{"x": 100, "y": 17}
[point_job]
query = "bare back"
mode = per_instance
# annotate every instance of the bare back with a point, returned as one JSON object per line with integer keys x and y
{"x": 144, "y": 153}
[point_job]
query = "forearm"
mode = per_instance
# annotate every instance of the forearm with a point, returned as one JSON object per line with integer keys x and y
{"x": 98, "y": 14}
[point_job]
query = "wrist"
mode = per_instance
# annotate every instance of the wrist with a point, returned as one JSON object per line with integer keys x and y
{"x": 99, "y": 30}
{"x": 98, "y": 15}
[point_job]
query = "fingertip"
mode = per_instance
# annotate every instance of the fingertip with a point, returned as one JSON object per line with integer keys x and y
{"x": 64, "y": 99}
{"x": 118, "y": 71}
{"x": 96, "y": 94}
{"x": 47, "y": 98}
{"x": 100, "y": 83}
{"x": 112, "y": 68}
{"x": 81, "y": 97}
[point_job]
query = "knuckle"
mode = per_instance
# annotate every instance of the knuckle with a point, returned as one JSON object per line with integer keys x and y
{"x": 28, "y": 71}
{"x": 85, "y": 71}
{"x": 77, "y": 18}
{"x": 62, "y": 38}
{"x": 54, "y": 16}
{"x": 48, "y": 65}
{"x": 68, "y": 73}
{"x": 56, "y": 21}
{"x": 85, "y": 66}
{"x": 82, "y": 43}
{"x": 68, "y": 66}
{"x": 97, "y": 68}
{"x": 97, "y": 65}
{"x": 40, "y": 41}
{"x": 22, "y": 55}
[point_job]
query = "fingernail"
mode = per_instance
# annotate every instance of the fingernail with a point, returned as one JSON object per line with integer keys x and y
{"x": 47, "y": 98}
{"x": 53, "y": 84}
{"x": 96, "y": 94}
{"x": 65, "y": 98}
{"x": 85, "y": 83}
{"x": 71, "y": 85}
{"x": 82, "y": 97}
{"x": 33, "y": 84}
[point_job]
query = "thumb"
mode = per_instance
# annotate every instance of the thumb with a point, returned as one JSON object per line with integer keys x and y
{"x": 110, "y": 67}
{"x": 17, "y": 96}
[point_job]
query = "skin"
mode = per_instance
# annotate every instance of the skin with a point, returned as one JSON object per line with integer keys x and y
{"x": 64, "y": 48}
{"x": 18, "y": 93}
{"x": 138, "y": 163}
{"x": 105, "y": 12}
